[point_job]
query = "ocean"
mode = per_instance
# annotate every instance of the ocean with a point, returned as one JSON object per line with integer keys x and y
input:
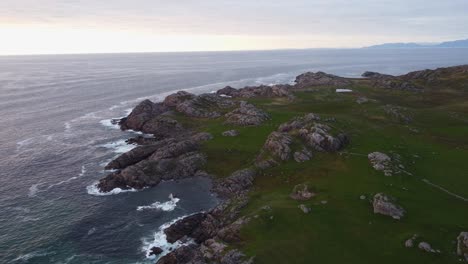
{"x": 56, "y": 137}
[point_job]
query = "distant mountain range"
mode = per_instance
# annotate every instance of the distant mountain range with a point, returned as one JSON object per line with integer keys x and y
{"x": 448, "y": 44}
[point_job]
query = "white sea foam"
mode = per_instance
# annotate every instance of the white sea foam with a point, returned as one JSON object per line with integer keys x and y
{"x": 159, "y": 239}
{"x": 34, "y": 189}
{"x": 166, "y": 206}
{"x": 81, "y": 174}
{"x": 28, "y": 256}
{"x": 94, "y": 190}
{"x": 120, "y": 146}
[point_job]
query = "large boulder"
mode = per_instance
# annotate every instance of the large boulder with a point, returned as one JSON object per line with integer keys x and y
{"x": 301, "y": 192}
{"x": 381, "y": 162}
{"x": 142, "y": 113}
{"x": 311, "y": 79}
{"x": 462, "y": 245}
{"x": 246, "y": 115}
{"x": 385, "y": 205}
{"x": 319, "y": 137}
{"x": 132, "y": 157}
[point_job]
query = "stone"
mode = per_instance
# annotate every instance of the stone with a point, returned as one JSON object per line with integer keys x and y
{"x": 132, "y": 157}
{"x": 304, "y": 208}
{"x": 362, "y": 100}
{"x": 462, "y": 245}
{"x": 409, "y": 243}
{"x": 230, "y": 133}
{"x": 177, "y": 98}
{"x": 398, "y": 113}
{"x": 381, "y": 162}
{"x": 235, "y": 184}
{"x": 302, "y": 156}
{"x": 301, "y": 192}
{"x": 257, "y": 91}
{"x": 385, "y": 205}
{"x": 278, "y": 144}
{"x": 142, "y": 113}
{"x": 311, "y": 79}
{"x": 163, "y": 127}
{"x": 426, "y": 247}
{"x": 246, "y": 115}
{"x": 362, "y": 197}
{"x": 202, "y": 136}
{"x": 205, "y": 106}
{"x": 183, "y": 227}
{"x": 155, "y": 251}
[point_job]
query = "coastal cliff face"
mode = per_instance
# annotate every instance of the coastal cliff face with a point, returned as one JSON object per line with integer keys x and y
{"x": 260, "y": 143}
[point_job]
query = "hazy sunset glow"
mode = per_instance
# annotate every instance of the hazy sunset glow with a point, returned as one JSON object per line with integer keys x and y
{"x": 59, "y": 26}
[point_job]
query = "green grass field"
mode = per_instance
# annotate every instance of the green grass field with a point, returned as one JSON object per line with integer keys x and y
{"x": 434, "y": 146}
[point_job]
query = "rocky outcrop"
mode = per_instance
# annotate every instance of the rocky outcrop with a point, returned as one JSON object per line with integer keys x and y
{"x": 303, "y": 155}
{"x": 177, "y": 98}
{"x": 278, "y": 144}
{"x": 163, "y": 126}
{"x": 246, "y": 115}
{"x": 301, "y": 192}
{"x": 311, "y": 79}
{"x": 424, "y": 246}
{"x": 183, "y": 227}
{"x": 141, "y": 114}
{"x": 230, "y": 133}
{"x": 173, "y": 159}
{"x": 385, "y": 205}
{"x": 307, "y": 130}
{"x": 205, "y": 106}
{"x": 462, "y": 245}
{"x": 391, "y": 82}
{"x": 237, "y": 183}
{"x": 257, "y": 91}
{"x": 131, "y": 157}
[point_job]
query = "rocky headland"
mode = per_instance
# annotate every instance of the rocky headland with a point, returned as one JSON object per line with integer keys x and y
{"x": 175, "y": 150}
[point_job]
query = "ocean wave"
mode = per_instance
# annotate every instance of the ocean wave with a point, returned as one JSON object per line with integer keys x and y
{"x": 166, "y": 206}
{"x": 94, "y": 190}
{"x": 34, "y": 189}
{"x": 120, "y": 146}
{"x": 31, "y": 255}
{"x": 81, "y": 174}
{"x": 159, "y": 239}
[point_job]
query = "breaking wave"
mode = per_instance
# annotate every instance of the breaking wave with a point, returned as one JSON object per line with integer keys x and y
{"x": 166, "y": 206}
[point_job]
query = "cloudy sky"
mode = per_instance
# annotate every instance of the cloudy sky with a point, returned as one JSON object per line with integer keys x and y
{"x": 88, "y": 26}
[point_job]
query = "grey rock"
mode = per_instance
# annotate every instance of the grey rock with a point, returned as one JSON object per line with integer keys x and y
{"x": 177, "y": 98}
{"x": 398, "y": 113}
{"x": 257, "y": 91}
{"x": 426, "y": 247}
{"x": 409, "y": 243}
{"x": 141, "y": 114}
{"x": 310, "y": 79}
{"x": 301, "y": 192}
{"x": 163, "y": 127}
{"x": 202, "y": 136}
{"x": 183, "y": 227}
{"x": 246, "y": 115}
{"x": 230, "y": 133}
{"x": 132, "y": 157}
{"x": 462, "y": 245}
{"x": 303, "y": 155}
{"x": 304, "y": 208}
{"x": 381, "y": 162}
{"x": 236, "y": 183}
{"x": 205, "y": 106}
{"x": 385, "y": 205}
{"x": 279, "y": 145}
{"x": 362, "y": 100}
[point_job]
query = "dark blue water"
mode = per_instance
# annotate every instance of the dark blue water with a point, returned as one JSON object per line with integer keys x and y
{"x": 55, "y": 138}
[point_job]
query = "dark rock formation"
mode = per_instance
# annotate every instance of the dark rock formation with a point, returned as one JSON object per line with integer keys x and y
{"x": 163, "y": 127}
{"x": 257, "y": 91}
{"x": 177, "y": 98}
{"x": 141, "y": 114}
{"x": 156, "y": 251}
{"x": 384, "y": 204}
{"x": 183, "y": 227}
{"x": 311, "y": 79}
{"x": 131, "y": 157}
{"x": 205, "y": 106}
{"x": 303, "y": 155}
{"x": 246, "y": 115}
{"x": 235, "y": 184}
{"x": 173, "y": 159}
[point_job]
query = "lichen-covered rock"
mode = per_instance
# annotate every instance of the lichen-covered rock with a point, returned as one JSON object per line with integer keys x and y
{"x": 237, "y": 183}
{"x": 303, "y": 155}
{"x": 301, "y": 192}
{"x": 246, "y": 115}
{"x": 385, "y": 205}
{"x": 230, "y": 133}
{"x": 462, "y": 245}
{"x": 311, "y": 79}
{"x": 381, "y": 162}
{"x": 177, "y": 98}
{"x": 320, "y": 138}
{"x": 142, "y": 113}
{"x": 257, "y": 91}
{"x": 162, "y": 127}
{"x": 278, "y": 144}
{"x": 205, "y": 106}
{"x": 202, "y": 136}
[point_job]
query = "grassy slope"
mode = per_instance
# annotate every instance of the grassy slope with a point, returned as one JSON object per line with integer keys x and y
{"x": 345, "y": 230}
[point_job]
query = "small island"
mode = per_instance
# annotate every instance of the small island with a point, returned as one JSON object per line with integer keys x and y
{"x": 376, "y": 174}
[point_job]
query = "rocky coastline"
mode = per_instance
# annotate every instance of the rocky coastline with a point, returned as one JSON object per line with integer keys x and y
{"x": 174, "y": 151}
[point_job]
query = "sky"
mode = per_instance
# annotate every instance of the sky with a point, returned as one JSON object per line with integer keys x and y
{"x": 110, "y": 26}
